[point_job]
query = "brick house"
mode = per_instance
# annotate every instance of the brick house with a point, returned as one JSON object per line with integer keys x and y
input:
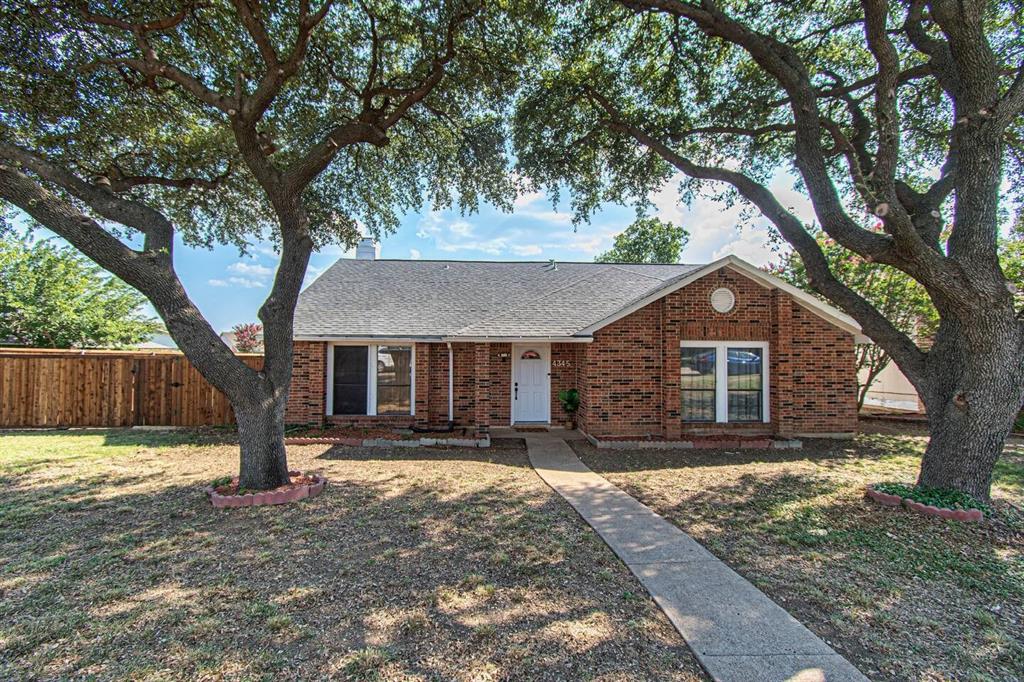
{"x": 662, "y": 352}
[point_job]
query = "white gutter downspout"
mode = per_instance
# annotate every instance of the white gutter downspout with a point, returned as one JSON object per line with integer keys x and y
{"x": 451, "y": 385}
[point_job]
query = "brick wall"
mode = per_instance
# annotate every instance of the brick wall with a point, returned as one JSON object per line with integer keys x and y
{"x": 623, "y": 374}
{"x": 630, "y": 373}
{"x": 824, "y": 397}
{"x": 565, "y": 374}
{"x": 501, "y": 384}
{"x": 308, "y": 393}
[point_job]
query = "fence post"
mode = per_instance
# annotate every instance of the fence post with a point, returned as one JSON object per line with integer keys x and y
{"x": 136, "y": 392}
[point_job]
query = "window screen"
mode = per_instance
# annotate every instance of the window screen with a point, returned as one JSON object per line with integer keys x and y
{"x": 745, "y": 389}
{"x": 350, "y": 379}
{"x": 697, "y": 380}
{"x": 394, "y": 379}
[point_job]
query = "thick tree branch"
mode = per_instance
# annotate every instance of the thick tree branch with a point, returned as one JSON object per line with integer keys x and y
{"x": 303, "y": 171}
{"x": 886, "y": 112}
{"x": 248, "y": 15}
{"x": 372, "y": 124}
{"x": 908, "y": 251}
{"x": 154, "y": 26}
{"x": 255, "y": 105}
{"x": 437, "y": 68}
{"x": 150, "y": 273}
{"x": 841, "y": 91}
{"x": 157, "y": 229}
{"x": 150, "y": 65}
{"x": 368, "y": 93}
{"x": 873, "y": 323}
{"x": 120, "y": 182}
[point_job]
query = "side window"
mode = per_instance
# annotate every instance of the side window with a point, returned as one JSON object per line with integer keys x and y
{"x": 350, "y": 379}
{"x": 697, "y": 380}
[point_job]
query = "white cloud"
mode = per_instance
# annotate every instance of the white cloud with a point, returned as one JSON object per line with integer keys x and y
{"x": 246, "y": 282}
{"x": 267, "y": 249}
{"x": 717, "y": 229}
{"x": 751, "y": 246}
{"x": 552, "y": 216}
{"x": 461, "y": 228}
{"x": 526, "y": 249}
{"x": 251, "y": 269}
{"x": 429, "y": 225}
{"x": 493, "y": 247}
{"x": 414, "y": 254}
{"x": 216, "y": 283}
{"x": 526, "y": 199}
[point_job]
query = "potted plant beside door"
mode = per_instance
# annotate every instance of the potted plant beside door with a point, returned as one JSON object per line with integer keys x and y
{"x": 570, "y": 399}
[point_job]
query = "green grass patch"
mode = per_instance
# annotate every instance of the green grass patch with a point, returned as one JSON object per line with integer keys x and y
{"x": 936, "y": 497}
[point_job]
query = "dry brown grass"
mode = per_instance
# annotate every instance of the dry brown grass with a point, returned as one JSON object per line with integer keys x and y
{"x": 412, "y": 565}
{"x": 903, "y": 597}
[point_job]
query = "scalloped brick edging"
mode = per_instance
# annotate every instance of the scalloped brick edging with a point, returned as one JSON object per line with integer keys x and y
{"x": 389, "y": 442}
{"x": 884, "y": 498}
{"x": 973, "y": 515}
{"x": 293, "y": 494}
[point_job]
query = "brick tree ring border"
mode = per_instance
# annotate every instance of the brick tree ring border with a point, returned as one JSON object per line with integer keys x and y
{"x": 293, "y": 493}
{"x": 889, "y": 500}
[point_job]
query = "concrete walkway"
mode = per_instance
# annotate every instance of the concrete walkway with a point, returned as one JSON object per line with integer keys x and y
{"x": 735, "y": 630}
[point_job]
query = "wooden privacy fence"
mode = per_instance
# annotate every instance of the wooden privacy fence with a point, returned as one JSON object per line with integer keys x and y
{"x": 107, "y": 388}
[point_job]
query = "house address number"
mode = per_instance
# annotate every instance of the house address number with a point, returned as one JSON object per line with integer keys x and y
{"x": 561, "y": 363}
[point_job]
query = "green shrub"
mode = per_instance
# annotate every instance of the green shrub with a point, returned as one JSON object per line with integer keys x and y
{"x": 936, "y": 497}
{"x": 570, "y": 399}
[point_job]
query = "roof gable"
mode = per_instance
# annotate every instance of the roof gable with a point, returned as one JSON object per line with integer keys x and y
{"x": 828, "y": 313}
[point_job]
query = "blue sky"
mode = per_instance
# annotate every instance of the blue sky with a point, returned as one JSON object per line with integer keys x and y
{"x": 229, "y": 287}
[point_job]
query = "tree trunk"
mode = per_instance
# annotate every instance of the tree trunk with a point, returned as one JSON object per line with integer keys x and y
{"x": 262, "y": 463}
{"x": 973, "y": 390}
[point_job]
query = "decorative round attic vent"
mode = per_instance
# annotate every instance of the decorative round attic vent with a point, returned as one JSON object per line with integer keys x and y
{"x": 723, "y": 300}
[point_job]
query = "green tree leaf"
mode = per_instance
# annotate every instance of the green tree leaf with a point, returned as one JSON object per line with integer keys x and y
{"x": 647, "y": 240}
{"x": 52, "y": 297}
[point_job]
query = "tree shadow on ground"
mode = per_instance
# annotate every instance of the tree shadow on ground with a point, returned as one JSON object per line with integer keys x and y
{"x": 453, "y": 565}
{"x": 901, "y": 595}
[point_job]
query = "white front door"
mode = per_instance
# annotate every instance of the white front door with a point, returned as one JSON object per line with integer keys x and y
{"x": 531, "y": 383}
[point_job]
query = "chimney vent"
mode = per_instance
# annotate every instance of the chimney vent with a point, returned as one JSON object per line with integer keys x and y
{"x": 367, "y": 249}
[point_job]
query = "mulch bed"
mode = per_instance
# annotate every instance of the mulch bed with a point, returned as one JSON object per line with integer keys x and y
{"x": 352, "y": 433}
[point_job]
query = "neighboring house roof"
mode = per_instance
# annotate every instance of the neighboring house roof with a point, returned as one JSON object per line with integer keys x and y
{"x": 157, "y": 341}
{"x": 464, "y": 300}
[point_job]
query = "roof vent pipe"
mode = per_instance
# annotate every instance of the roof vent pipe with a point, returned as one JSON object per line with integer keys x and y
{"x": 366, "y": 249}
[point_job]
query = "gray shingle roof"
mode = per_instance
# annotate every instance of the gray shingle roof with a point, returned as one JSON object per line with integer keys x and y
{"x": 424, "y": 298}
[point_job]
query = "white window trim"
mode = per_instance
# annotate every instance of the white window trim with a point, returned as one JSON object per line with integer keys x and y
{"x": 371, "y": 378}
{"x": 722, "y": 377}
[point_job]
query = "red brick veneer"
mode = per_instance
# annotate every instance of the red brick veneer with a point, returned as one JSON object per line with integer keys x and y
{"x": 628, "y": 377}
{"x": 630, "y": 374}
{"x": 308, "y": 394}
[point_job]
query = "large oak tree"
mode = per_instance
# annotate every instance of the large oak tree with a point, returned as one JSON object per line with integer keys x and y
{"x": 127, "y": 128}
{"x": 907, "y": 113}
